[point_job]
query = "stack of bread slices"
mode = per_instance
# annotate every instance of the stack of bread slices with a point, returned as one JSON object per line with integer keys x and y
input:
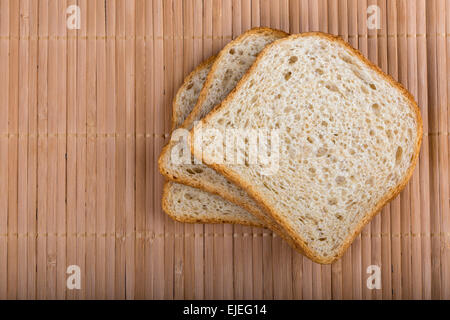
{"x": 299, "y": 134}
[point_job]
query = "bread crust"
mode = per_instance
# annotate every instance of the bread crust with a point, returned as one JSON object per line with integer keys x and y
{"x": 299, "y": 241}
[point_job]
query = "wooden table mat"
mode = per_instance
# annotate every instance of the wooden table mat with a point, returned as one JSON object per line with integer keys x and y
{"x": 85, "y": 112}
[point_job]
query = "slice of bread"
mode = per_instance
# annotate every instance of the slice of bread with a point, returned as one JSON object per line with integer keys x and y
{"x": 349, "y": 138}
{"x": 186, "y": 204}
{"x": 231, "y": 63}
{"x": 187, "y": 95}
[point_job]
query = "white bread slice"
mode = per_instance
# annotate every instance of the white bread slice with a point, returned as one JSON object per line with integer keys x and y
{"x": 188, "y": 93}
{"x": 349, "y": 134}
{"x": 231, "y": 63}
{"x": 186, "y": 204}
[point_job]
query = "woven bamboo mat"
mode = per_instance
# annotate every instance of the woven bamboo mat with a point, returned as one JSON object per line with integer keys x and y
{"x": 85, "y": 112}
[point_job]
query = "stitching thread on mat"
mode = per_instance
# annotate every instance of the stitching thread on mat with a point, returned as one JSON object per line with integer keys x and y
{"x": 208, "y": 37}
{"x": 151, "y": 235}
{"x": 139, "y": 235}
{"x": 85, "y": 135}
{"x": 127, "y": 135}
{"x": 116, "y": 37}
{"x": 400, "y": 35}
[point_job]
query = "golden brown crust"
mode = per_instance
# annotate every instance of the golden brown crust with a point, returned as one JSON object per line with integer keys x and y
{"x": 229, "y": 174}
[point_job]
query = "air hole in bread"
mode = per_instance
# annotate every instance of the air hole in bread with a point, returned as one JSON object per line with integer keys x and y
{"x": 198, "y": 170}
{"x": 357, "y": 74}
{"x": 189, "y": 86}
{"x": 288, "y": 109}
{"x": 372, "y": 86}
{"x": 389, "y": 134}
{"x": 293, "y": 59}
{"x": 340, "y": 180}
{"x": 398, "y": 155}
{"x": 190, "y": 171}
{"x": 232, "y": 51}
{"x": 346, "y": 58}
{"x": 287, "y": 76}
{"x": 332, "y": 201}
{"x": 321, "y": 151}
{"x": 319, "y": 71}
{"x": 332, "y": 87}
{"x": 364, "y": 89}
{"x": 228, "y": 74}
{"x": 376, "y": 109}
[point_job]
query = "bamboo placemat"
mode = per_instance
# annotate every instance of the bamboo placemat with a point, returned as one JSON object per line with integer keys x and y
{"x": 85, "y": 112}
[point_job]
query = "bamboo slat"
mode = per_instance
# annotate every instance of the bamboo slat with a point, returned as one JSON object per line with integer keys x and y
{"x": 42, "y": 161}
{"x": 442, "y": 126}
{"x": 385, "y": 216}
{"x": 24, "y": 32}
{"x": 32, "y": 154}
{"x": 84, "y": 114}
{"x": 433, "y": 152}
{"x": 351, "y": 261}
{"x": 91, "y": 145}
{"x": 4, "y": 165}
